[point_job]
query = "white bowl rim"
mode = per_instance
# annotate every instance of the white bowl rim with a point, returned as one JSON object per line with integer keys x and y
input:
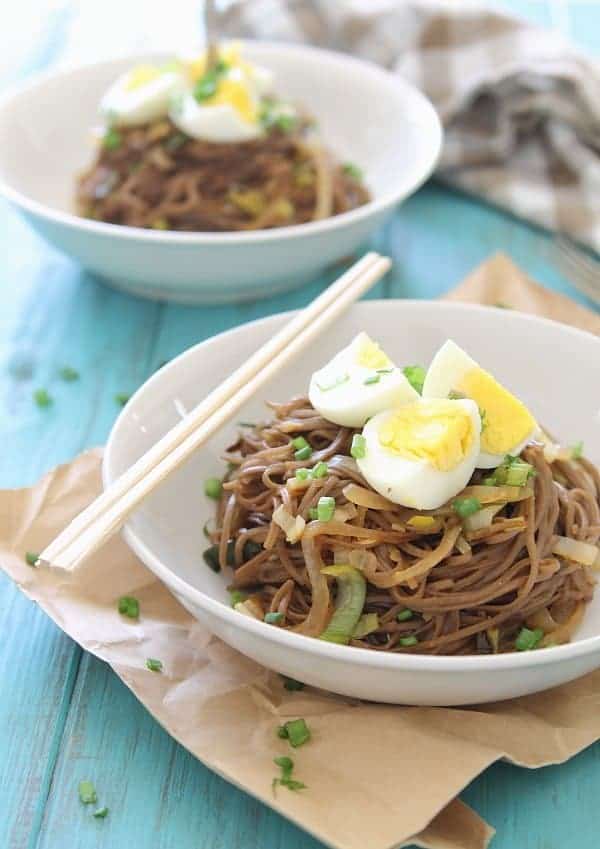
{"x": 216, "y": 237}
{"x": 312, "y": 645}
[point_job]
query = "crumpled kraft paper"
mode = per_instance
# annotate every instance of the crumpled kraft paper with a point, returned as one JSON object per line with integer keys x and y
{"x": 225, "y": 709}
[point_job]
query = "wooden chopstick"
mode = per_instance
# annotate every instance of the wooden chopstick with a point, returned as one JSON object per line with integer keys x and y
{"x": 88, "y": 531}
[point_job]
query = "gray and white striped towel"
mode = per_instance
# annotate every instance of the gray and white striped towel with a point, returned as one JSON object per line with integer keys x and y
{"x": 520, "y": 106}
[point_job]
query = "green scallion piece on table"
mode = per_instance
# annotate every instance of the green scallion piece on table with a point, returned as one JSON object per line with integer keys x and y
{"x": 321, "y": 470}
{"x": 373, "y": 378}
{"x": 313, "y": 513}
{"x": 286, "y": 765}
{"x": 42, "y": 398}
{"x": 154, "y": 665}
{"x": 465, "y": 507}
{"x": 297, "y": 732}
{"x": 129, "y": 606}
{"x": 528, "y": 639}
{"x": 87, "y": 793}
{"x": 404, "y": 615}
{"x": 31, "y": 558}
{"x": 415, "y": 376}
{"x": 282, "y": 732}
{"x": 303, "y": 474}
{"x": 273, "y": 618}
{"x": 121, "y": 398}
{"x": 408, "y": 641}
{"x": 325, "y": 508}
{"x": 303, "y": 453}
{"x": 213, "y": 487}
{"x": 68, "y": 373}
{"x": 291, "y": 684}
{"x": 101, "y": 813}
{"x": 358, "y": 449}
{"x": 236, "y": 596}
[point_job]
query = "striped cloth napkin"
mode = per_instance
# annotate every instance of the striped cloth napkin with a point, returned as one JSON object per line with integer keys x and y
{"x": 520, "y": 106}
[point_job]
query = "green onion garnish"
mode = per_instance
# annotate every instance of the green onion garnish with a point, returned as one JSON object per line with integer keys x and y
{"x": 122, "y": 398}
{"x": 296, "y": 731}
{"x": 251, "y": 549}
{"x": 291, "y": 684}
{"x": 352, "y": 170}
{"x": 207, "y": 85}
{"x": 384, "y": 370}
{"x": 325, "y": 508}
{"x": 286, "y": 765}
{"x": 321, "y": 470}
{"x": 129, "y": 606}
{"x": 101, "y": 813}
{"x": 511, "y": 472}
{"x": 211, "y": 558}
{"x": 344, "y": 378}
{"x": 415, "y": 376}
{"x": 213, "y": 487}
{"x": 112, "y": 139}
{"x": 236, "y": 596}
{"x": 87, "y": 793}
{"x": 528, "y": 639}
{"x": 273, "y": 618}
{"x": 577, "y": 451}
{"x": 303, "y": 453}
{"x": 313, "y": 513}
{"x": 465, "y": 507}
{"x": 408, "y": 641}
{"x": 358, "y": 449}
{"x": 489, "y": 481}
{"x": 68, "y": 373}
{"x": 404, "y": 615}
{"x": 300, "y": 442}
{"x": 42, "y": 398}
{"x": 302, "y": 474}
{"x": 373, "y": 378}
{"x": 31, "y": 558}
{"x": 154, "y": 665}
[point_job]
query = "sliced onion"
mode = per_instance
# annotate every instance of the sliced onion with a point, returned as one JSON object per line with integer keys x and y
{"x": 575, "y": 549}
{"x": 482, "y": 518}
{"x": 250, "y": 608}
{"x": 497, "y": 494}
{"x": 345, "y": 513}
{"x": 297, "y": 485}
{"x": 366, "y": 498}
{"x": 292, "y": 526}
{"x": 462, "y": 545}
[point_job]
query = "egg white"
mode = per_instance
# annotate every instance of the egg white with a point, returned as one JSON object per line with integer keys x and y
{"x": 350, "y": 402}
{"x": 220, "y": 123}
{"x": 413, "y": 483}
{"x": 124, "y": 107}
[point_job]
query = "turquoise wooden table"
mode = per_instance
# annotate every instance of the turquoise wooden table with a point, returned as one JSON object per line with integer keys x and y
{"x": 63, "y": 715}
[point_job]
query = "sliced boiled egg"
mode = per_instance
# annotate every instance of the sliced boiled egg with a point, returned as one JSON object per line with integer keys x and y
{"x": 507, "y": 424}
{"x": 141, "y": 96}
{"x": 231, "y": 114}
{"x": 422, "y": 454}
{"x": 357, "y": 383}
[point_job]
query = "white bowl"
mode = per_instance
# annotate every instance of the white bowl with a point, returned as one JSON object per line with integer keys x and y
{"x": 553, "y": 367}
{"x": 365, "y": 115}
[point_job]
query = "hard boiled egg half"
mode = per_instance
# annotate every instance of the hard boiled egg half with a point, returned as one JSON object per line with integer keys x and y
{"x": 423, "y": 453}
{"x": 142, "y": 95}
{"x": 507, "y": 424}
{"x": 359, "y": 382}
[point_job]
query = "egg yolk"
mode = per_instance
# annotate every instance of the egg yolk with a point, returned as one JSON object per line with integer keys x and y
{"x": 234, "y": 93}
{"x": 437, "y": 432}
{"x": 370, "y": 355}
{"x": 506, "y": 421}
{"x": 140, "y": 76}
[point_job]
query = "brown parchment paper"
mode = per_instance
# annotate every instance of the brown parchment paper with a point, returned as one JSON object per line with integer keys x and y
{"x": 224, "y": 708}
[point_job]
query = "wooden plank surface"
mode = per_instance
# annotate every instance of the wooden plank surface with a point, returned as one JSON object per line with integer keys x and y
{"x": 64, "y": 716}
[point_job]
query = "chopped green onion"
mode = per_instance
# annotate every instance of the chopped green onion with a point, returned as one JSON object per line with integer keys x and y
{"x": 415, "y": 376}
{"x": 344, "y": 378}
{"x": 282, "y": 732}
{"x": 112, "y": 139}
{"x": 300, "y": 442}
{"x": 511, "y": 472}
{"x": 321, "y": 470}
{"x": 302, "y": 474}
{"x": 251, "y": 549}
{"x": 465, "y": 507}
{"x": 325, "y": 508}
{"x": 31, "y": 558}
{"x": 291, "y": 684}
{"x": 408, "y": 641}
{"x": 122, "y": 398}
{"x": 68, "y": 373}
{"x": 273, "y": 618}
{"x": 213, "y": 487}
{"x": 296, "y": 731}
{"x": 349, "y": 603}
{"x": 358, "y": 449}
{"x": 489, "y": 481}
{"x": 384, "y": 370}
{"x": 518, "y": 474}
{"x": 367, "y": 623}
{"x": 373, "y": 378}
{"x": 247, "y": 424}
{"x": 577, "y": 451}
{"x": 303, "y": 453}
{"x": 528, "y": 639}
{"x": 313, "y": 513}
{"x": 101, "y": 813}
{"x": 87, "y": 793}
{"x": 211, "y": 558}
{"x": 42, "y": 398}
{"x": 207, "y": 85}
{"x": 352, "y": 170}
{"x": 129, "y": 606}
{"x": 404, "y": 615}
{"x": 286, "y": 765}
{"x": 236, "y": 596}
{"x": 154, "y": 665}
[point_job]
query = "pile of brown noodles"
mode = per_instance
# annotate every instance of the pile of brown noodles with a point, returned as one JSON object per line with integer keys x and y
{"x": 448, "y": 590}
{"x": 154, "y": 176}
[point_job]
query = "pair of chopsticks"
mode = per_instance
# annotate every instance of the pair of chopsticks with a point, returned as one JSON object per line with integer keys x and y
{"x": 107, "y": 514}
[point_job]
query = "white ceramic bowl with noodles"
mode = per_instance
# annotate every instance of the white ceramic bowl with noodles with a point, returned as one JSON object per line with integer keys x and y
{"x": 365, "y": 115}
{"x": 552, "y": 367}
